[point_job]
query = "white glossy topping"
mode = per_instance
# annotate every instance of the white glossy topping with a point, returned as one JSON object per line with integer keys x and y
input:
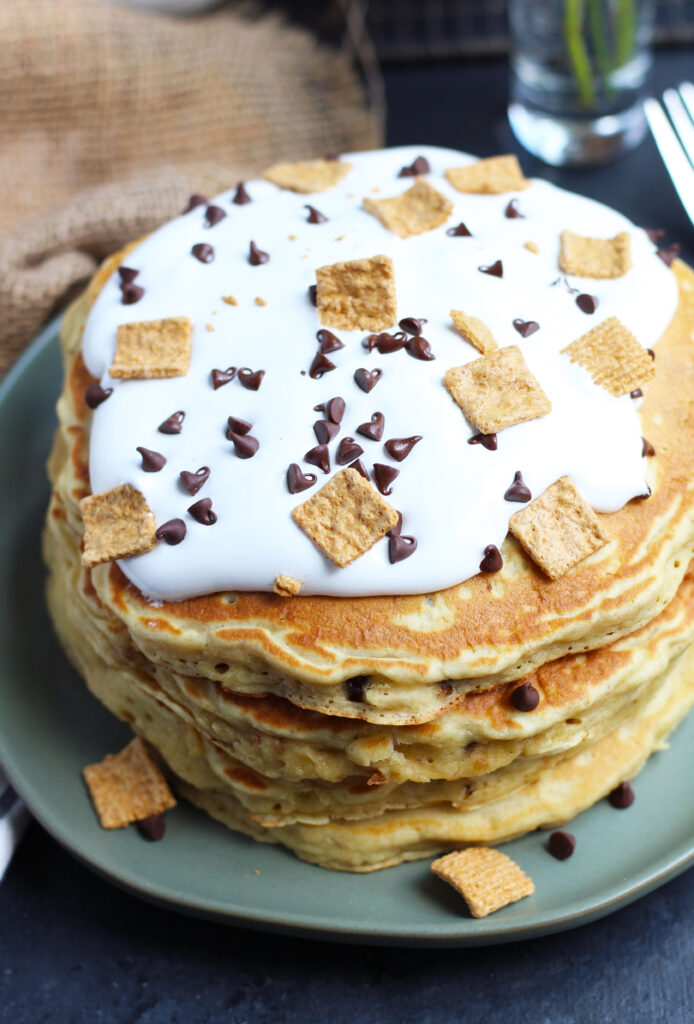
{"x": 451, "y": 493}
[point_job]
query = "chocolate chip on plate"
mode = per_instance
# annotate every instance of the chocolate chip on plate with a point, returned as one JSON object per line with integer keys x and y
{"x": 173, "y": 424}
{"x": 325, "y": 430}
{"x": 152, "y": 828}
{"x": 202, "y": 512}
{"x": 131, "y": 293}
{"x": 213, "y": 215}
{"x": 412, "y": 324}
{"x": 636, "y": 393}
{"x": 94, "y": 395}
{"x": 245, "y": 446}
{"x": 328, "y": 341}
{"x": 622, "y": 796}
{"x": 419, "y": 348}
{"x": 561, "y": 845}
{"x": 152, "y": 462}
{"x": 587, "y": 303}
{"x": 256, "y": 256}
{"x": 237, "y": 426}
{"x": 492, "y": 561}
{"x": 670, "y": 254}
{"x": 400, "y": 547}
{"x": 359, "y": 466}
{"x": 241, "y": 196}
{"x": 518, "y": 491}
{"x": 320, "y": 365}
{"x": 222, "y": 377}
{"x": 127, "y": 274}
{"x": 459, "y": 232}
{"x": 647, "y": 448}
{"x": 333, "y": 409}
{"x": 194, "y": 481}
{"x": 384, "y": 476}
{"x": 297, "y": 480}
{"x": 203, "y": 252}
{"x": 195, "y": 200}
{"x": 495, "y": 269}
{"x": 250, "y": 379}
{"x": 526, "y": 327}
{"x": 373, "y": 429}
{"x": 319, "y": 456}
{"x": 347, "y": 451}
{"x": 512, "y": 210}
{"x": 315, "y": 216}
{"x": 387, "y": 343}
{"x": 172, "y": 532}
{"x": 488, "y": 441}
{"x": 312, "y": 288}
{"x": 367, "y": 379}
{"x": 525, "y": 697}
{"x": 418, "y": 166}
{"x": 400, "y": 447}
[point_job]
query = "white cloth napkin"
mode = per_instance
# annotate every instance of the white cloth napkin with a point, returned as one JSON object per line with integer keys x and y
{"x": 14, "y": 818}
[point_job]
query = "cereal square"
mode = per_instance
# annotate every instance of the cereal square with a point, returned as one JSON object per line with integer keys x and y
{"x": 486, "y": 879}
{"x": 497, "y": 390}
{"x": 308, "y": 176}
{"x": 558, "y": 529}
{"x": 287, "y": 586}
{"x": 346, "y": 517}
{"x": 357, "y": 295}
{"x": 474, "y": 331}
{"x": 117, "y": 523}
{"x": 613, "y": 357}
{"x": 492, "y": 176}
{"x": 419, "y": 209}
{"x": 128, "y": 786}
{"x": 595, "y": 257}
{"x": 153, "y": 348}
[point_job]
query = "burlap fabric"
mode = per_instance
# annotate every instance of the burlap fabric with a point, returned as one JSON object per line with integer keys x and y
{"x": 112, "y": 117}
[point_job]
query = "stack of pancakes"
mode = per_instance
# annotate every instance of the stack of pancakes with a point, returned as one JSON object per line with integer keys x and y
{"x": 362, "y": 732}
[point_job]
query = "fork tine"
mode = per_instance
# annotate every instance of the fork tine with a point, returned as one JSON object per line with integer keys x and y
{"x": 687, "y": 94}
{"x": 678, "y": 167}
{"x": 681, "y": 120}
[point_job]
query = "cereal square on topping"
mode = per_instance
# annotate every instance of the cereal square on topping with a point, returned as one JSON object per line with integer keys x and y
{"x": 559, "y": 529}
{"x": 346, "y": 517}
{"x": 595, "y": 257}
{"x": 153, "y": 348}
{"x": 486, "y": 879}
{"x": 357, "y": 295}
{"x": 117, "y": 523}
{"x": 474, "y": 331}
{"x": 613, "y": 357}
{"x": 497, "y": 391}
{"x": 287, "y": 586}
{"x": 492, "y": 176}
{"x": 421, "y": 208}
{"x": 308, "y": 176}
{"x": 128, "y": 786}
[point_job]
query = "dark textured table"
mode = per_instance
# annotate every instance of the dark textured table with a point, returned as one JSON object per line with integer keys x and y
{"x": 75, "y": 949}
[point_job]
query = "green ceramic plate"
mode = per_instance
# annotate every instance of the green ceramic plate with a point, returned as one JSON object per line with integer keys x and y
{"x": 50, "y": 727}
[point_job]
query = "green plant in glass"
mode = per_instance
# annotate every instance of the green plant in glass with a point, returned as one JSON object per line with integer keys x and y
{"x": 601, "y": 37}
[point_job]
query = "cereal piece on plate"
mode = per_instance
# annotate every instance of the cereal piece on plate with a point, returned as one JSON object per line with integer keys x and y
{"x": 117, "y": 523}
{"x": 486, "y": 879}
{"x": 497, "y": 391}
{"x": 531, "y": 247}
{"x": 346, "y": 517}
{"x": 421, "y": 208}
{"x": 558, "y": 529}
{"x": 153, "y": 348}
{"x": 474, "y": 331}
{"x": 287, "y": 586}
{"x": 357, "y": 295}
{"x": 595, "y": 257}
{"x": 613, "y": 357}
{"x": 128, "y": 786}
{"x": 308, "y": 176}
{"x": 492, "y": 176}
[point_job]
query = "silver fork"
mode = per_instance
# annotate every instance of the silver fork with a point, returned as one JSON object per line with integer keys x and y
{"x": 676, "y": 146}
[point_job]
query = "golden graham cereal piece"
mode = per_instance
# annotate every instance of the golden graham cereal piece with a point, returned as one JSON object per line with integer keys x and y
{"x": 613, "y": 357}
{"x": 117, "y": 523}
{"x": 287, "y": 586}
{"x": 486, "y": 879}
{"x": 346, "y": 517}
{"x": 153, "y": 348}
{"x": 474, "y": 331}
{"x": 357, "y": 295}
{"x": 419, "y": 209}
{"x": 595, "y": 257}
{"x": 128, "y": 786}
{"x": 308, "y": 176}
{"x": 558, "y": 529}
{"x": 497, "y": 391}
{"x": 492, "y": 176}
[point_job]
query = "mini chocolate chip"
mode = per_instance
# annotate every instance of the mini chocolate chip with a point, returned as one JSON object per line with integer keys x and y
{"x": 651, "y": 353}
{"x": 213, "y": 215}
{"x": 561, "y": 845}
{"x": 655, "y": 234}
{"x": 526, "y": 327}
{"x": 512, "y": 210}
{"x": 222, "y": 377}
{"x": 173, "y": 424}
{"x": 250, "y": 379}
{"x": 328, "y": 341}
{"x": 518, "y": 491}
{"x": 396, "y": 530}
{"x": 334, "y": 409}
{"x": 298, "y": 481}
{"x": 419, "y": 348}
{"x": 325, "y": 431}
{"x": 488, "y": 441}
{"x": 459, "y": 232}
{"x": 194, "y": 481}
{"x": 400, "y": 547}
{"x": 152, "y": 828}
{"x": 387, "y": 343}
{"x": 370, "y": 342}
{"x": 172, "y": 532}
{"x": 245, "y": 446}
{"x": 636, "y": 393}
{"x": 237, "y": 426}
{"x": 241, "y": 196}
{"x": 384, "y": 476}
{"x": 319, "y": 456}
{"x": 495, "y": 269}
{"x": 203, "y": 252}
{"x": 622, "y": 797}
{"x": 647, "y": 448}
{"x": 312, "y": 288}
{"x": 412, "y": 324}
{"x": 202, "y": 512}
{"x": 195, "y": 200}
{"x": 367, "y": 379}
{"x": 131, "y": 293}
{"x": 492, "y": 561}
{"x": 525, "y": 697}
{"x": 315, "y": 216}
{"x": 256, "y": 256}
{"x": 418, "y": 166}
{"x": 320, "y": 365}
{"x": 95, "y": 395}
{"x": 400, "y": 447}
{"x": 374, "y": 429}
{"x": 355, "y": 688}
{"x": 152, "y": 462}
{"x": 587, "y": 303}
{"x": 127, "y": 274}
{"x": 670, "y": 254}
{"x": 347, "y": 451}
{"x": 359, "y": 466}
